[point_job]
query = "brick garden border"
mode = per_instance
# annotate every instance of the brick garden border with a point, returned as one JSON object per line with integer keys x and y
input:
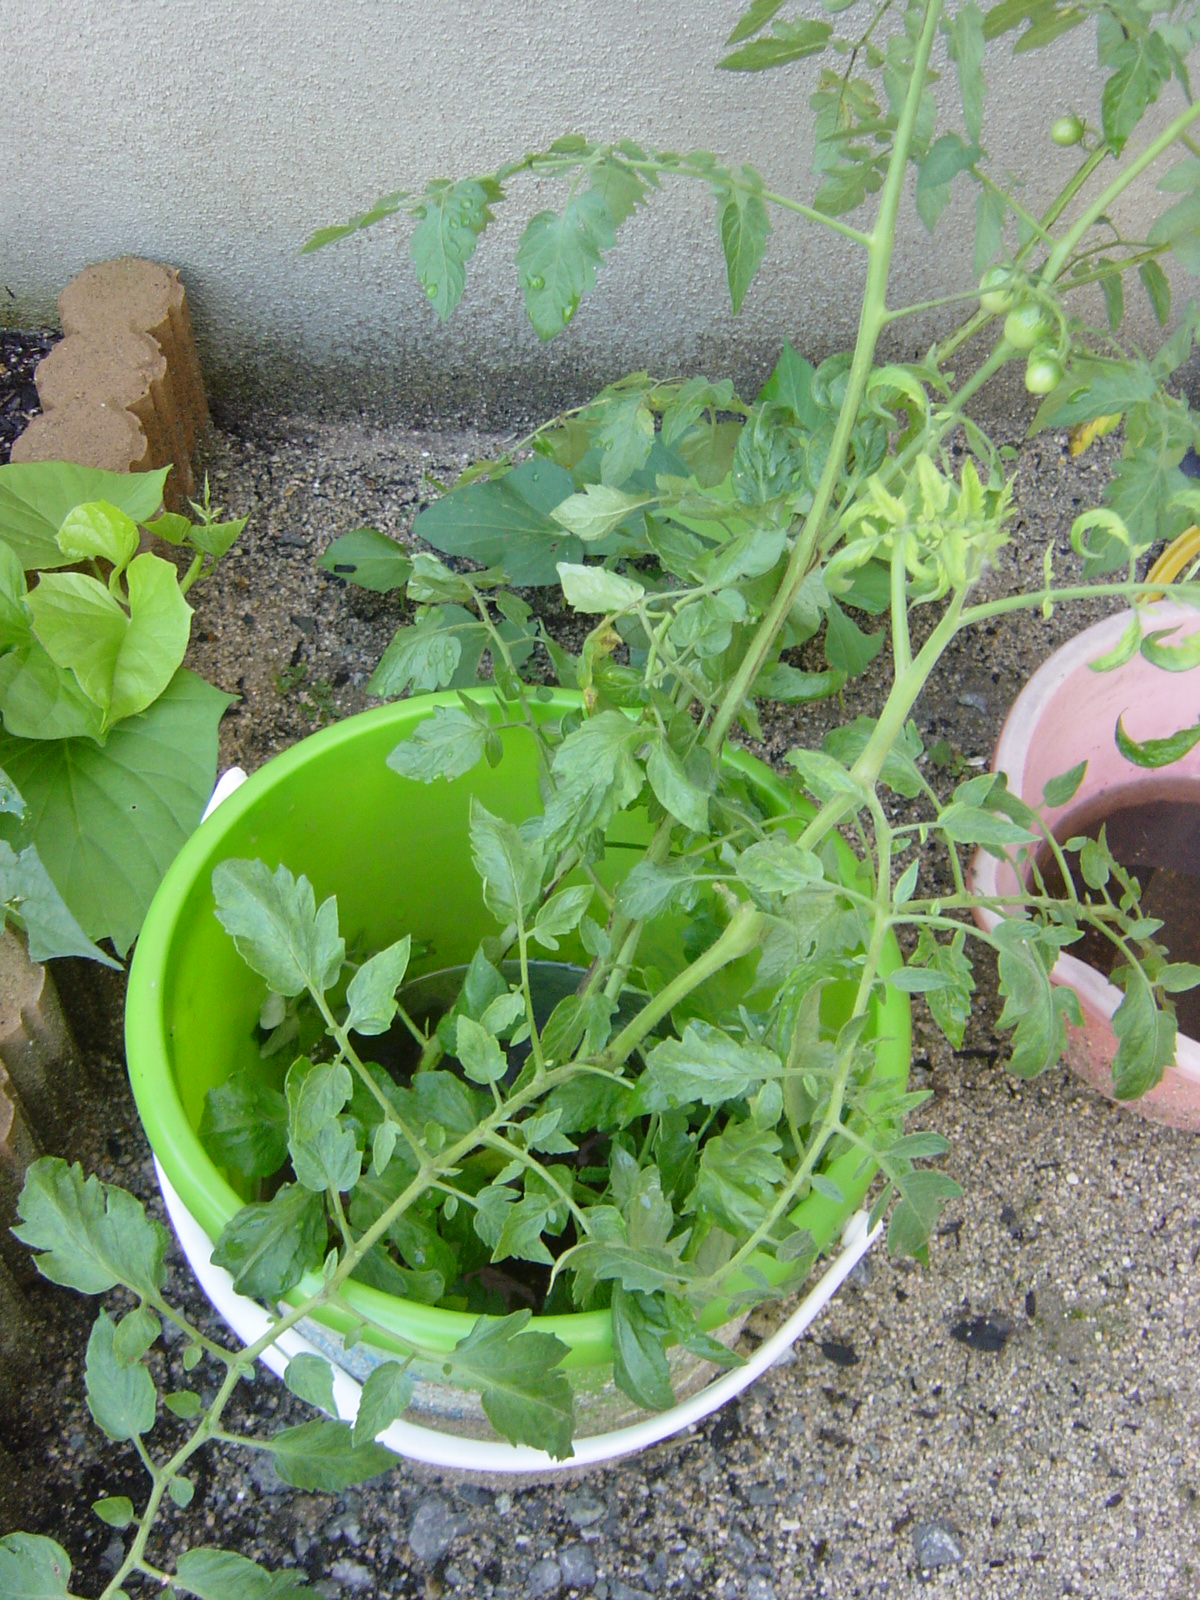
{"x": 121, "y": 391}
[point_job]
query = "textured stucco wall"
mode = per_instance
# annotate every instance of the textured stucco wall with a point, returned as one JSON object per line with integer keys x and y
{"x": 215, "y": 134}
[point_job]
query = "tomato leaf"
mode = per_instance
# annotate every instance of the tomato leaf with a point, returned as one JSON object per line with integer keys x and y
{"x": 1156, "y": 752}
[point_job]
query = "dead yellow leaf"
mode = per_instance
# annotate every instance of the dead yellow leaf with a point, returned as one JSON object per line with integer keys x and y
{"x": 1082, "y": 434}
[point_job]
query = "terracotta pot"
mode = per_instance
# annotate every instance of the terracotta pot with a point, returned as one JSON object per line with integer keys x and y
{"x": 1065, "y": 714}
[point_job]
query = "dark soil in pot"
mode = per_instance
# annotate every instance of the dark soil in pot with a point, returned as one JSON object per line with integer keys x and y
{"x": 1153, "y": 831}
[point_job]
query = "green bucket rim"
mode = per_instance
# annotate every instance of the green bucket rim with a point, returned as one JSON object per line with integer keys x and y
{"x": 201, "y": 1185}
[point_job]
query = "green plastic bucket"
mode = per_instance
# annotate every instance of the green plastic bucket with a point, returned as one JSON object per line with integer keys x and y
{"x": 395, "y": 852}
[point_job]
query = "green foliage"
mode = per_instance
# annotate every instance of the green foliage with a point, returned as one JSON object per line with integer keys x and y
{"x": 1058, "y": 790}
{"x": 132, "y": 801}
{"x": 692, "y": 512}
{"x": 1146, "y": 1039}
{"x": 640, "y": 1368}
{"x": 385, "y": 1395}
{"x": 267, "y": 1248}
{"x": 1034, "y": 1009}
{"x": 311, "y": 1378}
{"x": 706, "y": 1067}
{"x": 1156, "y": 752}
{"x": 29, "y": 898}
{"x": 369, "y": 559}
{"x": 323, "y": 1455}
{"x": 99, "y": 717}
{"x": 221, "y": 1575}
{"x": 120, "y": 1394}
{"x": 33, "y": 1567}
{"x": 91, "y": 1236}
{"x": 743, "y": 226}
{"x": 506, "y": 521}
{"x": 371, "y": 992}
{"x": 274, "y": 921}
{"x": 122, "y": 660}
{"x": 452, "y": 216}
{"x": 558, "y": 256}
{"x": 789, "y": 41}
{"x": 244, "y": 1125}
{"x": 37, "y": 497}
{"x": 115, "y": 1510}
{"x": 526, "y": 1397}
{"x": 445, "y": 745}
{"x": 667, "y": 1137}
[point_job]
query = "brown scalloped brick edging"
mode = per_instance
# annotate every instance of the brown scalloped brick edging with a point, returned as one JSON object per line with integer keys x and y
{"x": 122, "y": 390}
{"x": 39, "y": 1082}
{"x": 39, "y": 1085}
{"x": 36, "y": 1048}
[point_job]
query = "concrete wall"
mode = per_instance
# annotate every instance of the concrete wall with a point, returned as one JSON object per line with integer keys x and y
{"x": 216, "y": 134}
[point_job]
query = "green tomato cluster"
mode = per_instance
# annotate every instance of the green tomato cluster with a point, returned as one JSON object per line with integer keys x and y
{"x": 1028, "y": 327}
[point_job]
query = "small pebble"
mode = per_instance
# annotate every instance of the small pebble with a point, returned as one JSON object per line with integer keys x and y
{"x": 1010, "y": 1220}
{"x": 655, "y": 1575}
{"x": 583, "y": 1508}
{"x": 860, "y": 1274}
{"x": 114, "y": 1554}
{"x": 352, "y": 1574}
{"x": 760, "y": 1588}
{"x": 937, "y": 1544}
{"x": 578, "y": 1568}
{"x": 266, "y": 1479}
{"x": 433, "y": 1529}
{"x": 473, "y": 1494}
{"x": 744, "y": 1549}
{"x": 545, "y": 1579}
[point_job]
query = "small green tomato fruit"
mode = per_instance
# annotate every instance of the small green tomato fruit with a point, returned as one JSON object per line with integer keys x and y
{"x": 1043, "y": 370}
{"x": 1066, "y": 130}
{"x": 1027, "y": 325}
{"x": 995, "y": 290}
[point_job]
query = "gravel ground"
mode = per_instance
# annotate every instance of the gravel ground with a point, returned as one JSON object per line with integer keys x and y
{"x": 1020, "y": 1418}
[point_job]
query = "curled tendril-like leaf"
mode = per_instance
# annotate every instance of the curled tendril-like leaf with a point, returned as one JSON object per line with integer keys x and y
{"x": 1111, "y": 527}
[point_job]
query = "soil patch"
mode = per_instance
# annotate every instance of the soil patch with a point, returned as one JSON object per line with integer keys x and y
{"x": 20, "y": 352}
